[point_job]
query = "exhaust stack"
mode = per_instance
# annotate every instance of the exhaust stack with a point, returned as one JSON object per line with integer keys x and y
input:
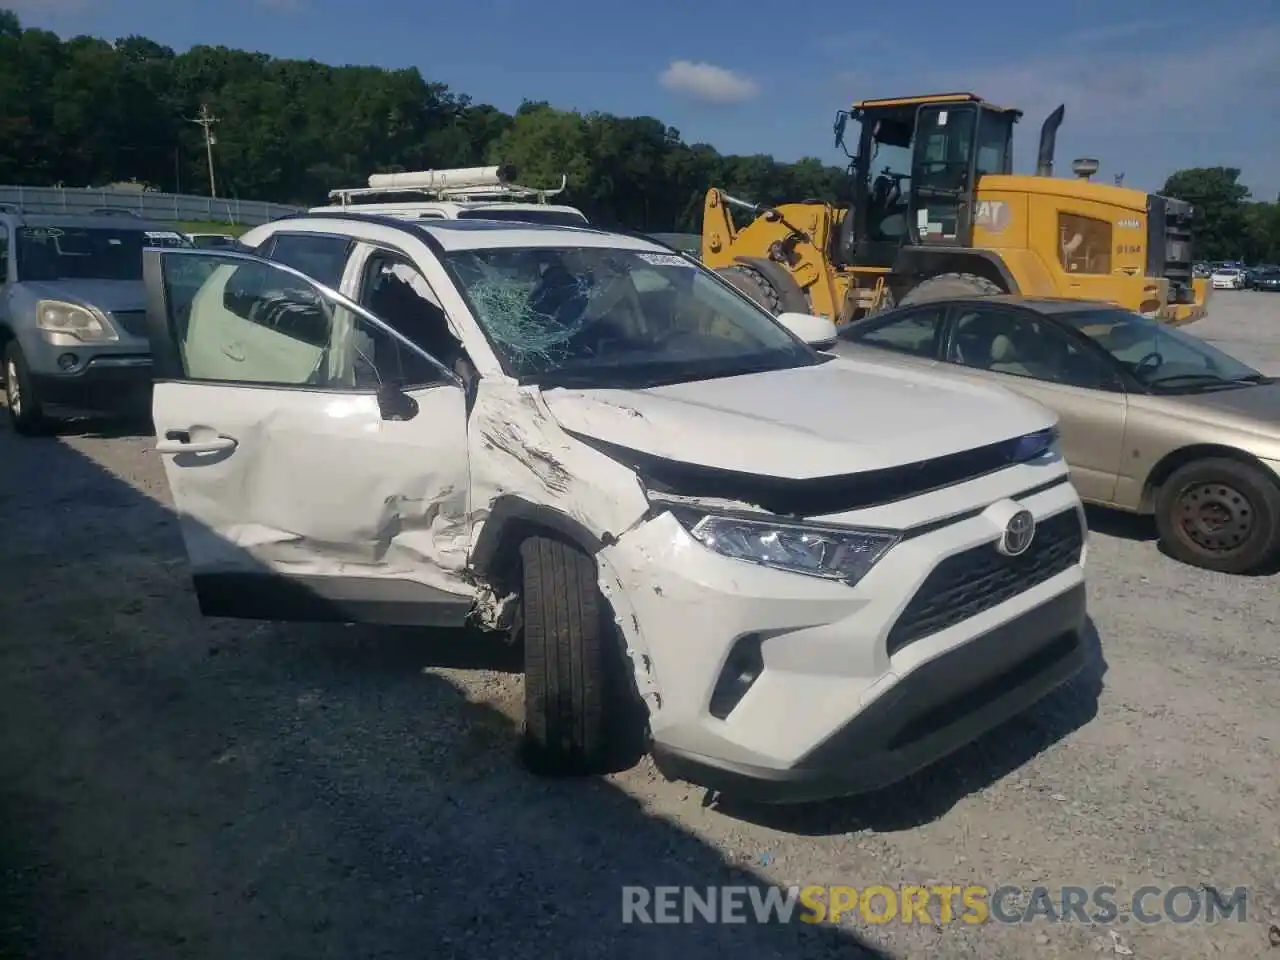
{"x": 1048, "y": 141}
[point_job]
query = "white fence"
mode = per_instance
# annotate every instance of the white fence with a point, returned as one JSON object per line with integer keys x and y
{"x": 166, "y": 207}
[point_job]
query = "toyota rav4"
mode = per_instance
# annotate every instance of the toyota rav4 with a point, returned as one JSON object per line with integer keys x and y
{"x": 591, "y": 443}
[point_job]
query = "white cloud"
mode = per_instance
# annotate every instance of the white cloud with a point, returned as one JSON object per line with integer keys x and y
{"x": 708, "y": 83}
{"x": 1138, "y": 91}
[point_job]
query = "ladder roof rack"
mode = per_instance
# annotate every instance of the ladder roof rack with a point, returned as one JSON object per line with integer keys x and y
{"x": 462, "y": 184}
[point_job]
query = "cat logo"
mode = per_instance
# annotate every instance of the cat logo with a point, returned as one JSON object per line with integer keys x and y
{"x": 1128, "y": 224}
{"x": 992, "y": 215}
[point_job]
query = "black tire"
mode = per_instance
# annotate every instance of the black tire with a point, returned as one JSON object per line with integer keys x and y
{"x": 1219, "y": 514}
{"x": 578, "y": 700}
{"x": 26, "y": 410}
{"x": 946, "y": 285}
{"x": 755, "y": 285}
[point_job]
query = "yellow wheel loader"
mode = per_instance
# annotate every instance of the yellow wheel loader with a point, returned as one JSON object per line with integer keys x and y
{"x": 938, "y": 212}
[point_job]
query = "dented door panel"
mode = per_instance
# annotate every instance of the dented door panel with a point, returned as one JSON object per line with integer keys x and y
{"x": 321, "y": 496}
{"x": 339, "y": 496}
{"x": 519, "y": 452}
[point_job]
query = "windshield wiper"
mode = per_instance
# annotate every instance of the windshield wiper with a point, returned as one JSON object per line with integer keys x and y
{"x": 606, "y": 379}
{"x": 633, "y": 378}
{"x": 1208, "y": 379}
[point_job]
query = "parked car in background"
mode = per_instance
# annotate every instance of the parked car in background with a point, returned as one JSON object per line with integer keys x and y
{"x": 213, "y": 241}
{"x": 596, "y": 447}
{"x": 1228, "y": 278}
{"x": 72, "y": 314}
{"x": 1153, "y": 419}
{"x": 1265, "y": 276}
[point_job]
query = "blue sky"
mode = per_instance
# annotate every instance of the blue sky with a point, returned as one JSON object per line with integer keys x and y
{"x": 1150, "y": 85}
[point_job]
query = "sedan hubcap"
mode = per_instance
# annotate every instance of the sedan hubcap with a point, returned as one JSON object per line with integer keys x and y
{"x": 13, "y": 392}
{"x": 1215, "y": 517}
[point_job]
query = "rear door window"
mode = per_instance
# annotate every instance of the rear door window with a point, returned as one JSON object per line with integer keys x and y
{"x": 322, "y": 257}
{"x": 914, "y": 332}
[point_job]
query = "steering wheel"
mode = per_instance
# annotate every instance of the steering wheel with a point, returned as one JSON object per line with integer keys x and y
{"x": 1152, "y": 361}
{"x": 888, "y": 187}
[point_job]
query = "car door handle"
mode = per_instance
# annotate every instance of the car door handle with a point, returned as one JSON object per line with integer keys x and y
{"x": 181, "y": 441}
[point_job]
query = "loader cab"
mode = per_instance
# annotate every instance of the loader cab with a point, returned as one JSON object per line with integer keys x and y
{"x": 916, "y": 168}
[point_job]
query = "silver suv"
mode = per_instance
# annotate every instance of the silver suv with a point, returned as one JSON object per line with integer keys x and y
{"x": 73, "y": 314}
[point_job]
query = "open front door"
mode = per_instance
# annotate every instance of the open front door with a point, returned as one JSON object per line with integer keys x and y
{"x": 317, "y": 460}
{"x": 942, "y": 175}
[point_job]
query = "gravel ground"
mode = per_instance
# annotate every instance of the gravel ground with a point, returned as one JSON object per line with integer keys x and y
{"x": 178, "y": 787}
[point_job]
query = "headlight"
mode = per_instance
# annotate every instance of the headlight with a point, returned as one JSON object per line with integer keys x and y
{"x": 83, "y": 323}
{"x": 845, "y": 554}
{"x": 1032, "y": 446}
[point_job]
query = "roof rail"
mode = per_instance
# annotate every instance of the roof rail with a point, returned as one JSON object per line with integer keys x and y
{"x": 463, "y": 183}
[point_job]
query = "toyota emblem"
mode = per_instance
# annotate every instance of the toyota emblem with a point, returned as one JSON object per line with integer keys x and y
{"x": 1018, "y": 534}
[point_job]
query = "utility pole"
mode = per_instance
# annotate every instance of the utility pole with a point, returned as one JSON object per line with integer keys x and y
{"x": 207, "y": 120}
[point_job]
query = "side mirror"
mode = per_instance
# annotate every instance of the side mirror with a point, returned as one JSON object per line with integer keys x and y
{"x": 395, "y": 404}
{"x": 817, "y": 332}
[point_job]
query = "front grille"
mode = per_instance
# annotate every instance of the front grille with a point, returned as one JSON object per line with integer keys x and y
{"x": 132, "y": 322}
{"x": 964, "y": 585}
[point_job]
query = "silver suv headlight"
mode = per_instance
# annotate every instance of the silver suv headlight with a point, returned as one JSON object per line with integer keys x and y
{"x": 73, "y": 319}
{"x": 845, "y": 554}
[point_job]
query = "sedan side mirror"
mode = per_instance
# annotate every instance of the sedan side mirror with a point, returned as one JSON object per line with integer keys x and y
{"x": 818, "y": 332}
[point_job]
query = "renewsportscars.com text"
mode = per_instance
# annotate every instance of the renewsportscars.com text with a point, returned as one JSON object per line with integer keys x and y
{"x": 936, "y": 904}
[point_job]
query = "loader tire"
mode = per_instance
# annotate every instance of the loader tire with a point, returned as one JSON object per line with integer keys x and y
{"x": 947, "y": 285}
{"x": 579, "y": 719}
{"x": 754, "y": 284}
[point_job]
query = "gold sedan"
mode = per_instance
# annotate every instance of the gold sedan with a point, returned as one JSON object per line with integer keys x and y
{"x": 1153, "y": 420}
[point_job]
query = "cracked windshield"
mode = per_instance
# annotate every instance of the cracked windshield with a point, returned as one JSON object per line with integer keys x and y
{"x": 616, "y": 317}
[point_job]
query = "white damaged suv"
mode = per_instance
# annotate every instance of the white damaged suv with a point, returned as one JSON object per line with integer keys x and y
{"x": 792, "y": 576}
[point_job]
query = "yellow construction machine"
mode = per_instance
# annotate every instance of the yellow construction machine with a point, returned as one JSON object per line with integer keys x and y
{"x": 938, "y": 212}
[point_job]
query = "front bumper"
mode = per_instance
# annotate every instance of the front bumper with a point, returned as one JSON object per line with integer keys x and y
{"x": 937, "y": 709}
{"x": 106, "y": 384}
{"x": 833, "y": 658}
{"x": 1178, "y": 314}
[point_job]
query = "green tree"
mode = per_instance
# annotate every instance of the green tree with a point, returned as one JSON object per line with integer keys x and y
{"x": 543, "y": 144}
{"x": 1219, "y": 199}
{"x": 1262, "y": 233}
{"x": 84, "y": 112}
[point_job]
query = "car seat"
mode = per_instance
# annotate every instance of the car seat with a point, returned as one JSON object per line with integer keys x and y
{"x": 1005, "y": 357}
{"x": 971, "y": 345}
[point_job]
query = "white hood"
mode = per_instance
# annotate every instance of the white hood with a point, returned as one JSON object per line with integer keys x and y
{"x": 845, "y": 416}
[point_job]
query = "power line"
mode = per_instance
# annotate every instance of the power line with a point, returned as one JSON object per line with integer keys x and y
{"x": 206, "y": 120}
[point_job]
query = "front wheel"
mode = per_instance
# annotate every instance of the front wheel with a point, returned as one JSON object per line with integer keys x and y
{"x": 26, "y": 409}
{"x": 755, "y": 286}
{"x": 578, "y": 700}
{"x": 1219, "y": 514}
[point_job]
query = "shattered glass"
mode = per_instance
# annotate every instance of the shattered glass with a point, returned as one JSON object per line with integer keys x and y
{"x": 536, "y": 312}
{"x": 598, "y": 315}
